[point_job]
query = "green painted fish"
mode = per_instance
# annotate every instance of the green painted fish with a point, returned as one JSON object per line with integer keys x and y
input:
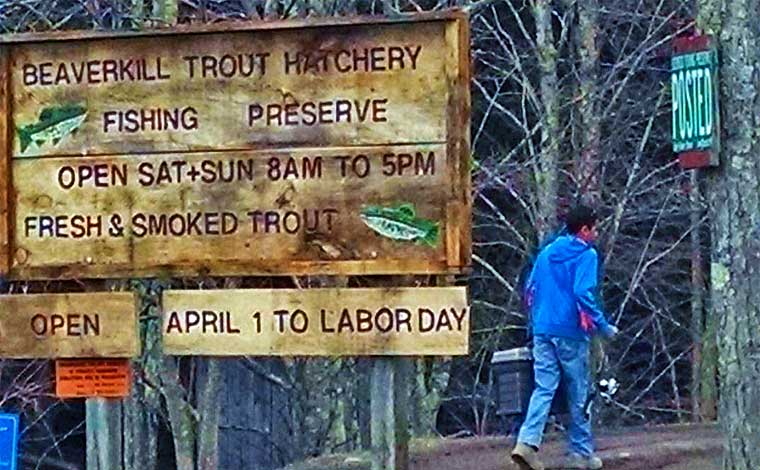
{"x": 54, "y": 124}
{"x": 400, "y": 223}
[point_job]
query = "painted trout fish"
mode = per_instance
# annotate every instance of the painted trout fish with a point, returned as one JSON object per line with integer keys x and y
{"x": 400, "y": 223}
{"x": 54, "y": 124}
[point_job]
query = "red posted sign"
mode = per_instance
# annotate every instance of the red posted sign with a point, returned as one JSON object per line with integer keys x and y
{"x": 75, "y": 378}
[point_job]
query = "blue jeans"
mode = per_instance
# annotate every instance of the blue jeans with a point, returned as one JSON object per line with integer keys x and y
{"x": 555, "y": 357}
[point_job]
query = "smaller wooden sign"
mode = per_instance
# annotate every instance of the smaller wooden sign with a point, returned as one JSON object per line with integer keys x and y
{"x": 317, "y": 322}
{"x": 77, "y": 378}
{"x": 50, "y": 326}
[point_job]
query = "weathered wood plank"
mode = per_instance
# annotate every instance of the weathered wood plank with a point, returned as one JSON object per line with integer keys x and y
{"x": 351, "y": 85}
{"x": 153, "y": 126}
{"x": 5, "y": 158}
{"x": 458, "y": 142}
{"x": 281, "y": 211}
{"x": 68, "y": 325}
{"x": 274, "y": 267}
{"x": 334, "y": 322}
{"x": 464, "y": 159}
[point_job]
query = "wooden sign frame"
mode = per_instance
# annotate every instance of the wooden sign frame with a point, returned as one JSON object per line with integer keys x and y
{"x": 443, "y": 206}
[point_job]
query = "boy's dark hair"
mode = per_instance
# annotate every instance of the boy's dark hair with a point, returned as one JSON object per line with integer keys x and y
{"x": 580, "y": 216}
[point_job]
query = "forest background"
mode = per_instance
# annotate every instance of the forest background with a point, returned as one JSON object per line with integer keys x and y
{"x": 571, "y": 101}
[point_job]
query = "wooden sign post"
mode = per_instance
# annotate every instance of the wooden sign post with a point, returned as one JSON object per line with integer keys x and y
{"x": 390, "y": 413}
{"x": 322, "y": 147}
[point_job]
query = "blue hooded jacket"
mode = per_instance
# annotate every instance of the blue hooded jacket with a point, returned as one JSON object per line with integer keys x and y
{"x": 562, "y": 283}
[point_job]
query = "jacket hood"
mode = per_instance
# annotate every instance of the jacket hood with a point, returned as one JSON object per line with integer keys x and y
{"x": 567, "y": 248}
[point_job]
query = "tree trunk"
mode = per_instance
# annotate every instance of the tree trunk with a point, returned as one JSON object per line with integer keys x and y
{"x": 167, "y": 11}
{"x": 363, "y": 416}
{"x": 697, "y": 295}
{"x": 181, "y": 417}
{"x": 140, "y": 431}
{"x": 142, "y": 407}
{"x": 547, "y": 166}
{"x": 347, "y": 420}
{"x": 207, "y": 388}
{"x": 429, "y": 378}
{"x": 417, "y": 398}
{"x": 587, "y": 165}
{"x": 735, "y": 213}
{"x": 339, "y": 432}
{"x": 103, "y": 428}
{"x": 137, "y": 13}
{"x": 709, "y": 369}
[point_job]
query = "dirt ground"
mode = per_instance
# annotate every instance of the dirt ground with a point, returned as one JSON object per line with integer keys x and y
{"x": 650, "y": 448}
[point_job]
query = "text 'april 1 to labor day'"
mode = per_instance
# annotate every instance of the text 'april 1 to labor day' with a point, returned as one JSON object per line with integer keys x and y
{"x": 342, "y": 320}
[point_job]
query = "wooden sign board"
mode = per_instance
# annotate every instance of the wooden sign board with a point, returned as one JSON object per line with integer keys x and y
{"x": 317, "y": 322}
{"x": 68, "y": 325}
{"x": 86, "y": 378}
{"x": 336, "y": 147}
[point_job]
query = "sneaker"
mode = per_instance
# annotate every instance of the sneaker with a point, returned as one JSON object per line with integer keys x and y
{"x": 526, "y": 457}
{"x": 579, "y": 462}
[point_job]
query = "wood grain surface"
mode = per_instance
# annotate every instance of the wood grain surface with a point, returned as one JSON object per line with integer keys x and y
{"x": 259, "y": 151}
{"x": 68, "y": 325}
{"x": 324, "y": 322}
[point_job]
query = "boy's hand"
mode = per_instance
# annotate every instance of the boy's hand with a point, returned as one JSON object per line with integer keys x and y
{"x": 612, "y": 331}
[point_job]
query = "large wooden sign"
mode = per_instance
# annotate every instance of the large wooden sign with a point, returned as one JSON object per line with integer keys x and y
{"x": 338, "y": 147}
{"x": 68, "y": 325}
{"x": 323, "y": 322}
